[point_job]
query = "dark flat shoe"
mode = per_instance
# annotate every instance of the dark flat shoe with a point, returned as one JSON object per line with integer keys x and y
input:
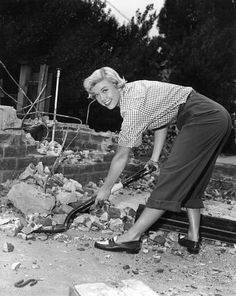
{"x": 192, "y": 246}
{"x": 132, "y": 247}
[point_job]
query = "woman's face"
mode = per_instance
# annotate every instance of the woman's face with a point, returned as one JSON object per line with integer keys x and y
{"x": 106, "y": 93}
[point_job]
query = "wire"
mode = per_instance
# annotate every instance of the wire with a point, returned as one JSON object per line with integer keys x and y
{"x": 21, "y": 89}
{"x": 33, "y": 104}
{"x": 60, "y": 115}
{"x": 113, "y": 6}
{"x": 5, "y": 93}
{"x": 87, "y": 115}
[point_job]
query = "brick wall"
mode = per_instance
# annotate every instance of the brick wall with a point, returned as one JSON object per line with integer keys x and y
{"x": 16, "y": 155}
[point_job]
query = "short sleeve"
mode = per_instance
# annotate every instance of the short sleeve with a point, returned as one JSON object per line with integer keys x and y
{"x": 133, "y": 125}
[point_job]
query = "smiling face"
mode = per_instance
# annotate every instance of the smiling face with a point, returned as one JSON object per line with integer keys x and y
{"x": 106, "y": 93}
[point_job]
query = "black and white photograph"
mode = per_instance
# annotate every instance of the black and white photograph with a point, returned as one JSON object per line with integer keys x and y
{"x": 118, "y": 147}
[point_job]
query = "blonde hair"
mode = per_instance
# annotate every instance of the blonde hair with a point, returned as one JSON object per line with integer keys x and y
{"x": 100, "y": 74}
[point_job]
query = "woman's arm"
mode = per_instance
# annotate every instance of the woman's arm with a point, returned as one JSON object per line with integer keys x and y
{"x": 117, "y": 166}
{"x": 159, "y": 141}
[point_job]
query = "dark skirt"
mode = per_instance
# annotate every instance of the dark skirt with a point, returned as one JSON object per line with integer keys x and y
{"x": 204, "y": 128}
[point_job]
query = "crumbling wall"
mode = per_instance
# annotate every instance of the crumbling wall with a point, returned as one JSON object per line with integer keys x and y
{"x": 17, "y": 152}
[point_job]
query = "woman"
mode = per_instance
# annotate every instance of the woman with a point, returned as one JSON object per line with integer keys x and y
{"x": 203, "y": 125}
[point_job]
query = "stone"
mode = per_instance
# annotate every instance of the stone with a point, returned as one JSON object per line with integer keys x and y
{"x": 30, "y": 199}
{"x": 104, "y": 217}
{"x": 41, "y": 236}
{"x": 22, "y": 236}
{"x": 15, "y": 266}
{"x": 27, "y": 229}
{"x": 81, "y": 219}
{"x": 157, "y": 258}
{"x": 8, "y": 247}
{"x": 59, "y": 218}
{"x": 114, "y": 213}
{"x": 72, "y": 186}
{"x": 116, "y": 224}
{"x": 10, "y": 229}
{"x": 4, "y": 221}
{"x": 65, "y": 197}
{"x": 66, "y": 209}
{"x": 28, "y": 172}
{"x": 130, "y": 212}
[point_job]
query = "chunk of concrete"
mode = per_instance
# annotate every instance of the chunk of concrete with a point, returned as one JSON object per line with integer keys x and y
{"x": 66, "y": 197}
{"x": 8, "y": 118}
{"x": 129, "y": 287}
{"x": 29, "y": 199}
{"x": 96, "y": 289}
{"x": 136, "y": 288}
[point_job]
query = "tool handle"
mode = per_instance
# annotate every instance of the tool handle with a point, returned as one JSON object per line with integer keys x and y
{"x": 140, "y": 174}
{"x": 116, "y": 187}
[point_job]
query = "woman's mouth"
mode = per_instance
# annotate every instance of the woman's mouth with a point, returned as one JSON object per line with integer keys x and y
{"x": 107, "y": 103}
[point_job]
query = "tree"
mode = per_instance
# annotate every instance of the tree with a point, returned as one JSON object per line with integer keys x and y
{"x": 78, "y": 37}
{"x": 200, "y": 46}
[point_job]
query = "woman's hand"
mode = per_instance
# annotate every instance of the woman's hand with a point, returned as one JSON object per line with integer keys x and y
{"x": 102, "y": 195}
{"x": 153, "y": 166}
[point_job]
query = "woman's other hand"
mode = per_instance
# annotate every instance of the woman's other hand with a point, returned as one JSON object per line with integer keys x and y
{"x": 153, "y": 166}
{"x": 102, "y": 195}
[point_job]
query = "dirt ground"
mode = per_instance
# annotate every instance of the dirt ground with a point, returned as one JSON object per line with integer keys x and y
{"x": 64, "y": 260}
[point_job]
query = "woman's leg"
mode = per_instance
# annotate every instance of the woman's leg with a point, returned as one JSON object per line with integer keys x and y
{"x": 194, "y": 217}
{"x": 145, "y": 220}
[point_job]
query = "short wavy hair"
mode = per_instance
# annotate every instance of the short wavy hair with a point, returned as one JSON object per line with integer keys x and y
{"x": 100, "y": 74}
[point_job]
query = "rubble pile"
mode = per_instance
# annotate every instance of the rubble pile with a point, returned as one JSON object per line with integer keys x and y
{"x": 221, "y": 189}
{"x": 69, "y": 157}
{"x": 41, "y": 200}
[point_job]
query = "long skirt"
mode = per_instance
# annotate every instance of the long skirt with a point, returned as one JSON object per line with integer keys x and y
{"x": 204, "y": 128}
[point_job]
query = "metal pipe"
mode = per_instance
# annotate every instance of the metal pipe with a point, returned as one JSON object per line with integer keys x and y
{"x": 55, "y": 104}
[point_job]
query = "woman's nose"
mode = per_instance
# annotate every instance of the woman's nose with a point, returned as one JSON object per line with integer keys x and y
{"x": 103, "y": 97}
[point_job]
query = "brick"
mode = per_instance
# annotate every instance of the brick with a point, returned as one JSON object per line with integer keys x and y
{"x": 8, "y": 175}
{"x": 95, "y": 177}
{"x": 104, "y": 166}
{"x": 83, "y": 179}
{"x": 11, "y": 138}
{"x": 98, "y": 138}
{"x": 80, "y": 169}
{"x": 31, "y": 149}
{"x": 15, "y": 151}
{"x": 85, "y": 128}
{"x": 22, "y": 163}
{"x": 133, "y": 167}
{"x": 7, "y": 164}
{"x": 88, "y": 145}
{"x": 83, "y": 136}
{"x": 48, "y": 160}
{"x": 109, "y": 156}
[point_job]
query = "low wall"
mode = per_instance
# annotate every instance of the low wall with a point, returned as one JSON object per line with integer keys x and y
{"x": 16, "y": 154}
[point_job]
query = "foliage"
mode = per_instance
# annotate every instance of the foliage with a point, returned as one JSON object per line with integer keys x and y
{"x": 145, "y": 149}
{"x": 78, "y": 37}
{"x": 200, "y": 45}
